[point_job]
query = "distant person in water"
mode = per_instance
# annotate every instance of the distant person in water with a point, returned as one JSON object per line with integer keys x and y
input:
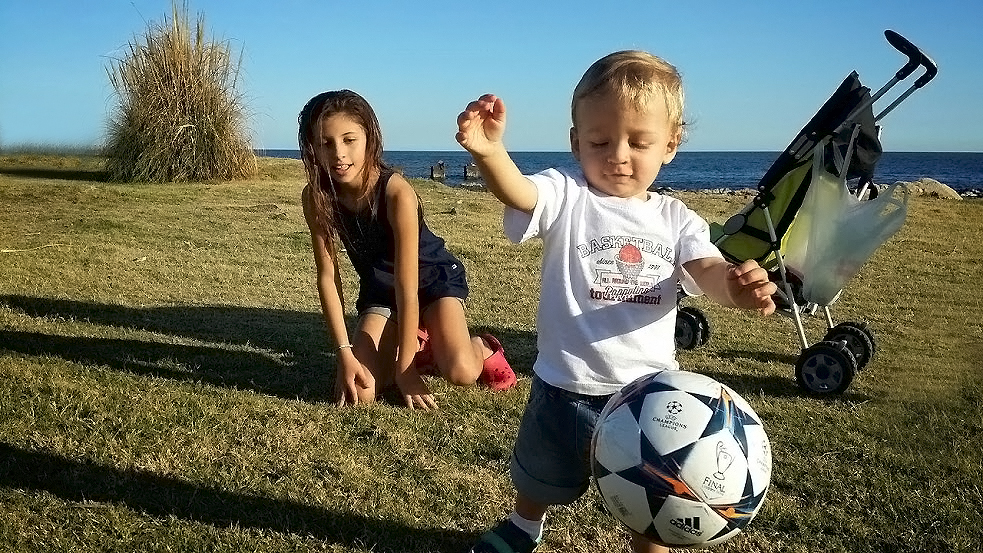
{"x": 411, "y": 295}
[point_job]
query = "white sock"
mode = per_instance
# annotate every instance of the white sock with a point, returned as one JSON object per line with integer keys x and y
{"x": 532, "y": 527}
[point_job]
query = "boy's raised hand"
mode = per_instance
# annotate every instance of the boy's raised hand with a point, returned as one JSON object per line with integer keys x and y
{"x": 480, "y": 129}
{"x": 481, "y": 126}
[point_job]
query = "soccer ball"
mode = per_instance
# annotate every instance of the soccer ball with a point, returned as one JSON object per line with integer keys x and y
{"x": 681, "y": 459}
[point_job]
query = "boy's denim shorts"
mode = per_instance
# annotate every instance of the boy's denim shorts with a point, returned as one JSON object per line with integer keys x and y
{"x": 551, "y": 459}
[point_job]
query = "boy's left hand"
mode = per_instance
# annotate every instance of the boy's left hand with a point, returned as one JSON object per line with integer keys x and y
{"x": 750, "y": 288}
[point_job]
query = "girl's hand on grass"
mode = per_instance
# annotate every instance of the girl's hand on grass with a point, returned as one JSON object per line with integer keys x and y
{"x": 352, "y": 378}
{"x": 415, "y": 392}
{"x": 481, "y": 126}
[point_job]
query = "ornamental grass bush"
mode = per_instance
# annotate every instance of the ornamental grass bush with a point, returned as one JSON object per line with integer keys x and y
{"x": 180, "y": 115}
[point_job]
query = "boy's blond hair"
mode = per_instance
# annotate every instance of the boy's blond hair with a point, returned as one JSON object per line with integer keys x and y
{"x": 635, "y": 78}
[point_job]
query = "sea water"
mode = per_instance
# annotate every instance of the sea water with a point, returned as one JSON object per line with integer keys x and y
{"x": 962, "y": 171}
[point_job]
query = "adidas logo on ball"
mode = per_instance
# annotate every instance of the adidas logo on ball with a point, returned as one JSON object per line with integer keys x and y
{"x": 691, "y": 525}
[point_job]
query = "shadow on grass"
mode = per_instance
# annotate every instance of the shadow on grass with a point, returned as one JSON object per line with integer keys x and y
{"x": 271, "y": 351}
{"x": 760, "y": 356}
{"x": 770, "y": 385}
{"x": 211, "y": 365}
{"x": 161, "y": 496}
{"x": 88, "y": 175}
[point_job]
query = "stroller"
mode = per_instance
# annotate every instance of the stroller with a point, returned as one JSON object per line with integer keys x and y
{"x": 789, "y": 226}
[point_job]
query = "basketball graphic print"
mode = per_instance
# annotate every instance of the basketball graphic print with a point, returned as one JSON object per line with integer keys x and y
{"x": 629, "y": 261}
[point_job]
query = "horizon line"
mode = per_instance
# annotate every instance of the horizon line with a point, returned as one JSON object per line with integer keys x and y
{"x": 701, "y": 151}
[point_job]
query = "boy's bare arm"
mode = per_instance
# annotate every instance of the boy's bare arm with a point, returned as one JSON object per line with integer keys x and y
{"x": 746, "y": 285}
{"x": 481, "y": 127}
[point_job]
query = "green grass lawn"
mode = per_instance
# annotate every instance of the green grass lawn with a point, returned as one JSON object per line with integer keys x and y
{"x": 165, "y": 377}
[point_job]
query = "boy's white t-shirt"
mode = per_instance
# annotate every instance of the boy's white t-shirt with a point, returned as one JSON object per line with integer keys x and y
{"x": 609, "y": 279}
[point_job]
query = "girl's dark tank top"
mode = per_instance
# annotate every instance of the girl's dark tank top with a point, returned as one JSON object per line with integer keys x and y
{"x": 370, "y": 244}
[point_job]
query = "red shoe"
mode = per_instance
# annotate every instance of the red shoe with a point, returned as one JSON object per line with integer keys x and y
{"x": 424, "y": 355}
{"x": 496, "y": 373}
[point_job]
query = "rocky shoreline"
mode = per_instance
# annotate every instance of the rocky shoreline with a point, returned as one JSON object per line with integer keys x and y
{"x": 921, "y": 187}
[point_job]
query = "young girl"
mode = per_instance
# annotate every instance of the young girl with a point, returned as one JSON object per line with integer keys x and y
{"x": 411, "y": 289}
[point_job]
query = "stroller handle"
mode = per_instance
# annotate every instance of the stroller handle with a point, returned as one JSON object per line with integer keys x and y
{"x": 916, "y": 58}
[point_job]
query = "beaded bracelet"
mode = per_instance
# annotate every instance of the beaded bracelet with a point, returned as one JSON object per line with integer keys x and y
{"x": 343, "y": 346}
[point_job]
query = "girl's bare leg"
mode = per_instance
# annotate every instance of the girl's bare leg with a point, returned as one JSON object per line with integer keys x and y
{"x": 374, "y": 345}
{"x": 457, "y": 354}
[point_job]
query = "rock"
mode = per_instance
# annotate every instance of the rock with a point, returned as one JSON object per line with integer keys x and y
{"x": 932, "y": 188}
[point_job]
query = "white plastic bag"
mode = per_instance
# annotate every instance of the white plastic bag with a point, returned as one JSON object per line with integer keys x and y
{"x": 835, "y": 233}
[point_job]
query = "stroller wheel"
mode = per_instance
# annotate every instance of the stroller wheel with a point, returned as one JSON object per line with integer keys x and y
{"x": 858, "y": 338}
{"x": 826, "y": 368}
{"x": 701, "y": 317}
{"x": 692, "y": 328}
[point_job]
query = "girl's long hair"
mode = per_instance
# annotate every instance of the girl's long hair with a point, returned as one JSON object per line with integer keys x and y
{"x": 324, "y": 196}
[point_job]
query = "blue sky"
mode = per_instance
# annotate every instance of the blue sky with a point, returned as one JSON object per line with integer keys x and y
{"x": 754, "y": 72}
